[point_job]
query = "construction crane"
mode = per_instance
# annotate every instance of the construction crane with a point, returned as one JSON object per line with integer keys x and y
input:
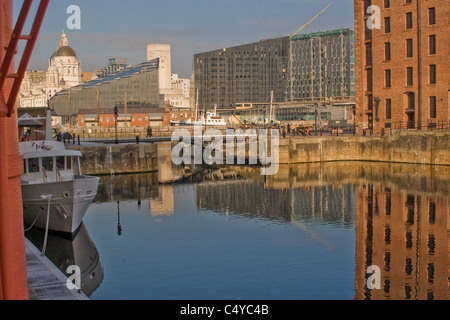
{"x": 291, "y": 48}
{"x": 309, "y": 22}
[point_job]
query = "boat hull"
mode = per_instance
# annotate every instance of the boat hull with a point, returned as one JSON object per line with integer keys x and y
{"x": 69, "y": 202}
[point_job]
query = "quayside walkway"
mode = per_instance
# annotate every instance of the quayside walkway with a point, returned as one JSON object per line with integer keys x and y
{"x": 45, "y": 281}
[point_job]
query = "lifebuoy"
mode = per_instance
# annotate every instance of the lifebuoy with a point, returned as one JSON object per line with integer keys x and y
{"x": 306, "y": 132}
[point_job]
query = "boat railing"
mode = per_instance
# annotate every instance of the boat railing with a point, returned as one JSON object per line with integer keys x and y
{"x": 58, "y": 175}
{"x": 44, "y": 175}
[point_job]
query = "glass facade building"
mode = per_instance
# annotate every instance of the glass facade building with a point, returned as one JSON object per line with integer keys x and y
{"x": 136, "y": 84}
{"x": 311, "y": 67}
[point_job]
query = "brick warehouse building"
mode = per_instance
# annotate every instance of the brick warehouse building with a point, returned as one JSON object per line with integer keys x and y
{"x": 403, "y": 65}
{"x": 132, "y": 117}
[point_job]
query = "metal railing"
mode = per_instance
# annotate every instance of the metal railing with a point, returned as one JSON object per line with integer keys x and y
{"x": 424, "y": 126}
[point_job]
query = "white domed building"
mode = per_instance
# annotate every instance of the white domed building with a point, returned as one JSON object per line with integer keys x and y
{"x": 64, "y": 72}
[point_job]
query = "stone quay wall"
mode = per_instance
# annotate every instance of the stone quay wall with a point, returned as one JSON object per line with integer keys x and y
{"x": 117, "y": 159}
{"x": 403, "y": 147}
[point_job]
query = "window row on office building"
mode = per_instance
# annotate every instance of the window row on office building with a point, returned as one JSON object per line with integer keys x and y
{"x": 308, "y": 67}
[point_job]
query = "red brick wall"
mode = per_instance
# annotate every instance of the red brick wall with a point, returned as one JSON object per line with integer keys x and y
{"x": 134, "y": 120}
{"x": 399, "y": 62}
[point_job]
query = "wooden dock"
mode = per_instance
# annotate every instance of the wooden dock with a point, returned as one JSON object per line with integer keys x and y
{"x": 45, "y": 281}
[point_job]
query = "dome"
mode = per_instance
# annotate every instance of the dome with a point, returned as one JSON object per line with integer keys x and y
{"x": 65, "y": 51}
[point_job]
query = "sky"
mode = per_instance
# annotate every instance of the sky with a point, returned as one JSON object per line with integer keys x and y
{"x": 113, "y": 28}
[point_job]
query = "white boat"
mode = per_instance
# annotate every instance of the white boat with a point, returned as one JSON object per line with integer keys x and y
{"x": 55, "y": 194}
{"x": 211, "y": 119}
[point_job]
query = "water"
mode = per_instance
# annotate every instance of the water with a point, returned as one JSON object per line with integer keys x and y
{"x": 308, "y": 233}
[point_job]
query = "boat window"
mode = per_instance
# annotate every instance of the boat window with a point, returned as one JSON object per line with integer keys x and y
{"x": 60, "y": 163}
{"x": 47, "y": 164}
{"x": 69, "y": 163}
{"x": 33, "y": 165}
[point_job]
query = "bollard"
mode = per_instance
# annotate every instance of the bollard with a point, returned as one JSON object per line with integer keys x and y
{"x": 137, "y": 139}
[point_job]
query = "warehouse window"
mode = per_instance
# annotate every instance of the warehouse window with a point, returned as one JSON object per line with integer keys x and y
{"x": 388, "y": 108}
{"x": 432, "y": 16}
{"x": 387, "y": 25}
{"x": 388, "y": 78}
{"x": 409, "y": 48}
{"x": 433, "y": 74}
{"x": 433, "y": 107}
{"x": 387, "y": 51}
{"x": 432, "y": 44}
{"x": 409, "y": 20}
{"x": 409, "y": 76}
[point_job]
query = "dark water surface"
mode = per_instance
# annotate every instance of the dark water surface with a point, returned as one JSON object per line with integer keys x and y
{"x": 308, "y": 233}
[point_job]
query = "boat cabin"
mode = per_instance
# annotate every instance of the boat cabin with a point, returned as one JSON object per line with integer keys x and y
{"x": 45, "y": 162}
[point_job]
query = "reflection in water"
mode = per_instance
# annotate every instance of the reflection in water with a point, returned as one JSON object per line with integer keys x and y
{"x": 400, "y": 214}
{"x": 164, "y": 204}
{"x": 127, "y": 187}
{"x": 407, "y": 236}
{"x": 80, "y": 251}
{"x": 327, "y": 204}
{"x": 119, "y": 226}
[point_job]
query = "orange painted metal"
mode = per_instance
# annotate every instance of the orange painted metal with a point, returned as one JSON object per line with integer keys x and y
{"x": 13, "y": 268}
{"x": 12, "y": 48}
{"x": 14, "y": 284}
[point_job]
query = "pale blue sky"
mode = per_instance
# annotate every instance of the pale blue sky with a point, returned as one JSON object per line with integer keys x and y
{"x": 113, "y": 28}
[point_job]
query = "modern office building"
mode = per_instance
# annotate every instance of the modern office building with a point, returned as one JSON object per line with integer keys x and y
{"x": 301, "y": 69}
{"x": 114, "y": 65}
{"x": 402, "y": 59}
{"x": 245, "y": 73}
{"x": 139, "y": 83}
{"x": 322, "y": 66}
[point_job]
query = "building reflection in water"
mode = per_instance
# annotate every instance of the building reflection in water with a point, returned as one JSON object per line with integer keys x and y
{"x": 253, "y": 199}
{"x": 129, "y": 187}
{"x": 407, "y": 236}
{"x": 164, "y": 204}
{"x": 400, "y": 214}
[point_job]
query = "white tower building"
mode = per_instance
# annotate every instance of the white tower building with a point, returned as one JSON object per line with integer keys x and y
{"x": 175, "y": 89}
{"x": 162, "y": 51}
